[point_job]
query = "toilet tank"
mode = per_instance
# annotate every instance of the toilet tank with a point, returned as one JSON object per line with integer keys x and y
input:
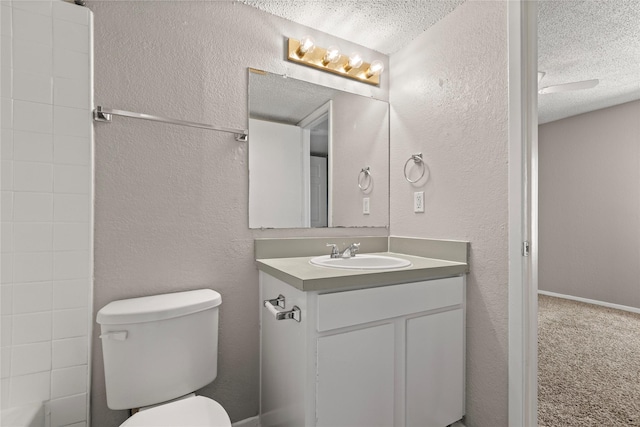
{"x": 160, "y": 347}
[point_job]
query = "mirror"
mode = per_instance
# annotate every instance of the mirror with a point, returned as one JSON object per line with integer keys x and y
{"x": 309, "y": 147}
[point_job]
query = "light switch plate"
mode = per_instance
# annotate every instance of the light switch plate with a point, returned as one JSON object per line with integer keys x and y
{"x": 365, "y": 206}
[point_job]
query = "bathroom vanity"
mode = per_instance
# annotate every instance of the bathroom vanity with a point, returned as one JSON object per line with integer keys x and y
{"x": 362, "y": 347}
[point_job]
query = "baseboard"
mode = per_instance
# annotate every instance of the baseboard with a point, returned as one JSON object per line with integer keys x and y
{"x": 249, "y": 422}
{"x": 255, "y": 422}
{"x": 592, "y": 301}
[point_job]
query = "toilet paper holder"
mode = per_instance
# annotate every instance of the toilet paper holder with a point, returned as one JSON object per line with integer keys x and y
{"x": 271, "y": 304}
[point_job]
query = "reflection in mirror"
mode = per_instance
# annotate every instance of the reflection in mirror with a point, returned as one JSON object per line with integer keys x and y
{"x": 307, "y": 145}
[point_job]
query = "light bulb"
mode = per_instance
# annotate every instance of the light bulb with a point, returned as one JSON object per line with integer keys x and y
{"x": 375, "y": 68}
{"x": 355, "y": 60}
{"x": 307, "y": 44}
{"x": 332, "y": 56}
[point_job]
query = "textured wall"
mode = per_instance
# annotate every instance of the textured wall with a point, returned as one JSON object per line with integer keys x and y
{"x": 361, "y": 132}
{"x": 449, "y": 101}
{"x": 171, "y": 202}
{"x": 590, "y": 205}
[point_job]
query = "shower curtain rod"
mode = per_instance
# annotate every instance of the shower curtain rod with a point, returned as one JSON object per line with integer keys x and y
{"x": 101, "y": 114}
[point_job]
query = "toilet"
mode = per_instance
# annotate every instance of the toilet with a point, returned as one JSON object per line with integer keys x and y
{"x": 158, "y": 350}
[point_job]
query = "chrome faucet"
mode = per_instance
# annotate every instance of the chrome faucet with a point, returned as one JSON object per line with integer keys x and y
{"x": 335, "y": 253}
{"x": 349, "y": 252}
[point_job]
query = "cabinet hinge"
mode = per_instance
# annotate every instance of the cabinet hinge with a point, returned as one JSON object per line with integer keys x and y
{"x": 525, "y": 248}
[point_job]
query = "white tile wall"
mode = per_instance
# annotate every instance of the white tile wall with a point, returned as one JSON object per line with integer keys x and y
{"x": 32, "y": 207}
{"x": 6, "y": 330}
{"x": 6, "y": 205}
{"x": 70, "y": 35}
{"x": 6, "y": 270}
{"x": 6, "y": 120}
{"x": 6, "y": 237}
{"x": 6, "y": 80}
{"x": 38, "y": 7}
{"x": 6, "y": 276}
{"x": 29, "y": 176}
{"x": 68, "y": 93}
{"x": 72, "y": 179}
{"x": 32, "y": 116}
{"x": 71, "y": 265}
{"x": 33, "y": 146}
{"x": 6, "y": 299}
{"x": 30, "y": 388}
{"x": 7, "y": 174}
{"x": 32, "y": 267}
{"x": 70, "y": 293}
{"x": 70, "y": 352}
{"x": 32, "y": 297}
{"x": 71, "y": 14}
{"x": 31, "y": 358}
{"x": 32, "y": 237}
{"x": 4, "y": 393}
{"x": 70, "y": 323}
{"x": 32, "y": 57}
{"x": 33, "y": 87}
{"x": 69, "y": 236}
{"x": 69, "y": 121}
{"x": 68, "y": 410}
{"x": 6, "y": 137}
{"x": 31, "y": 328}
{"x": 6, "y": 55}
{"x": 33, "y": 27}
{"x": 5, "y": 22}
{"x": 68, "y": 381}
{"x": 70, "y": 207}
{"x": 45, "y": 207}
{"x": 5, "y": 361}
{"x": 70, "y": 64}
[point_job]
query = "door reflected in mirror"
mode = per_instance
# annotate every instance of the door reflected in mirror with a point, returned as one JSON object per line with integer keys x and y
{"x": 307, "y": 145}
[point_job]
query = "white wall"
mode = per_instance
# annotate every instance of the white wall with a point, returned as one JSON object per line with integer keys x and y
{"x": 277, "y": 159}
{"x": 172, "y": 202}
{"x": 449, "y": 101}
{"x": 46, "y": 207}
{"x": 590, "y": 205}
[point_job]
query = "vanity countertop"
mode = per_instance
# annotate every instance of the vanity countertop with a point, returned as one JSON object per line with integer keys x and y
{"x": 301, "y": 274}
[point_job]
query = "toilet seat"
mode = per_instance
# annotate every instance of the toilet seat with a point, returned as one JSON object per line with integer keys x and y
{"x": 196, "y": 411}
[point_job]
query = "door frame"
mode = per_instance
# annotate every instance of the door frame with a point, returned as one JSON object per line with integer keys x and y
{"x": 523, "y": 211}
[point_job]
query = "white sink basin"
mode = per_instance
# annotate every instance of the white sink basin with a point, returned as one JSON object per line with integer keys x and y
{"x": 361, "y": 262}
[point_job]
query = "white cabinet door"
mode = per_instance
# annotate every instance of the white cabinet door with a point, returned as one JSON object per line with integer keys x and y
{"x": 356, "y": 378}
{"x": 435, "y": 369}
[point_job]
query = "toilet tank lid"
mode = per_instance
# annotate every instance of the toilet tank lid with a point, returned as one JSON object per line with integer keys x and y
{"x": 157, "y": 307}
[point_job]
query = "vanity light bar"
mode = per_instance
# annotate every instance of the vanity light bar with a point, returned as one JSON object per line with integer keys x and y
{"x": 306, "y": 53}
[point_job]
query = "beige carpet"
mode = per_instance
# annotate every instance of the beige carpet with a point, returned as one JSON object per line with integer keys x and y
{"x": 589, "y": 365}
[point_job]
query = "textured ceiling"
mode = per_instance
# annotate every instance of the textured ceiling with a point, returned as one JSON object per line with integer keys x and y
{"x": 382, "y": 25}
{"x": 583, "y": 40}
{"x": 285, "y": 100}
{"x": 577, "y": 40}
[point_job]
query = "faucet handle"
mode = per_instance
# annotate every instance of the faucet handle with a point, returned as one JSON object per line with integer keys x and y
{"x": 334, "y": 250}
{"x": 355, "y": 247}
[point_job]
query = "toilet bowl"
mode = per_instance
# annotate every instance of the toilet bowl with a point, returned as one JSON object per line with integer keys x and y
{"x": 157, "y": 351}
{"x": 196, "y": 411}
